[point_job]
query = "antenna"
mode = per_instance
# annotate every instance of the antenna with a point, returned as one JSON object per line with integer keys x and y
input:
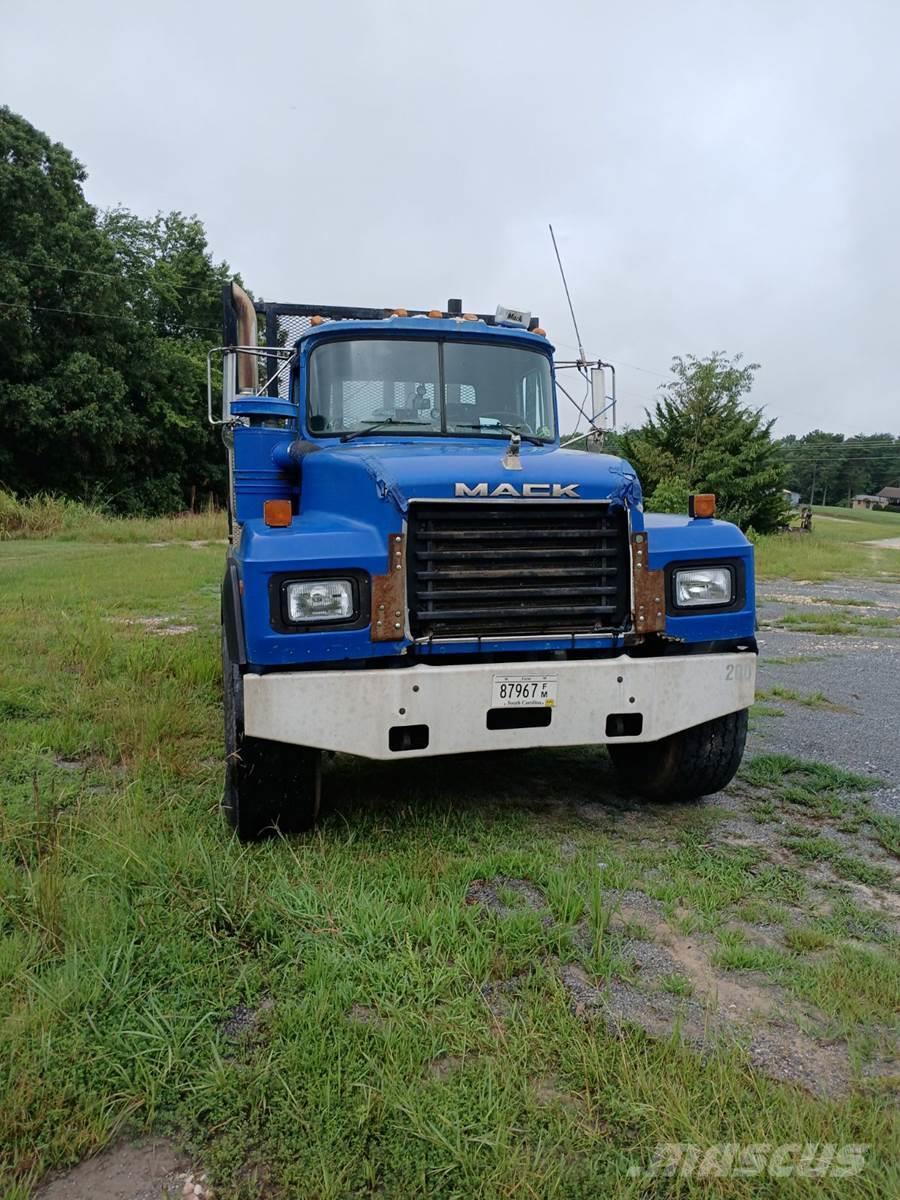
{"x": 582, "y": 361}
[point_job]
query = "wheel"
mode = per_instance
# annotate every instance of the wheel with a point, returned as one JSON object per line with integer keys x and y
{"x": 684, "y": 766}
{"x": 269, "y": 787}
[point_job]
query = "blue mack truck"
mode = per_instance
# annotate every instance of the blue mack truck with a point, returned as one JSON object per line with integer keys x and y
{"x": 416, "y": 567}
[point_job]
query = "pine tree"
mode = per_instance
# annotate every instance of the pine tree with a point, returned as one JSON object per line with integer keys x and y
{"x": 702, "y": 437}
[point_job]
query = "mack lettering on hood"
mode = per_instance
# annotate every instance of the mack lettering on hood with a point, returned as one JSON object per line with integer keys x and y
{"x": 528, "y": 490}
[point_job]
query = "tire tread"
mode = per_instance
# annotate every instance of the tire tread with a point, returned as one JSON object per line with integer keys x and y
{"x": 687, "y": 765}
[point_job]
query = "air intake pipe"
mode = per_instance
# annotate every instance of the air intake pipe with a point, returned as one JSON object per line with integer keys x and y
{"x": 247, "y": 335}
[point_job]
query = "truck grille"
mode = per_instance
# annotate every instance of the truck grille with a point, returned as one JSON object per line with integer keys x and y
{"x": 516, "y": 567}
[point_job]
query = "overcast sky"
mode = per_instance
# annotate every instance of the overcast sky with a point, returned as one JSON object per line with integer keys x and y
{"x": 720, "y": 175}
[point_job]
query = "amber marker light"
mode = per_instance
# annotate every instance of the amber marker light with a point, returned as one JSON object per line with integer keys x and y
{"x": 702, "y": 505}
{"x": 277, "y": 513}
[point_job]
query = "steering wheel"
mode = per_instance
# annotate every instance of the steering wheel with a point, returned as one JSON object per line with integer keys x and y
{"x": 509, "y": 418}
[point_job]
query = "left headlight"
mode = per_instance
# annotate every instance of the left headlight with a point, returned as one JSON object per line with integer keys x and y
{"x": 310, "y": 601}
{"x": 699, "y": 586}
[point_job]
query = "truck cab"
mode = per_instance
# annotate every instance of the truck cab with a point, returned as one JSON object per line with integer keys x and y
{"x": 417, "y": 567}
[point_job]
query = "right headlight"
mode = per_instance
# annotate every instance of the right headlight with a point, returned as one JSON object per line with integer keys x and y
{"x": 698, "y": 586}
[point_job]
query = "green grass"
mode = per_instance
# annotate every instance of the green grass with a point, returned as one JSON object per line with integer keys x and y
{"x": 814, "y": 621}
{"x": 775, "y": 770}
{"x": 806, "y": 939}
{"x": 759, "y": 709}
{"x": 820, "y": 790}
{"x": 132, "y": 924}
{"x": 790, "y": 660}
{"x": 812, "y": 700}
{"x": 819, "y": 848}
{"x": 887, "y": 831}
{"x": 46, "y": 516}
{"x": 677, "y": 985}
{"x": 833, "y": 548}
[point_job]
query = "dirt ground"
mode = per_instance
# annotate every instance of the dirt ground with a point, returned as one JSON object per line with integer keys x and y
{"x": 149, "y": 1170}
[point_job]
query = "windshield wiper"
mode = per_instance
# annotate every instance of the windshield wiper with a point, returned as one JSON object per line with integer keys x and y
{"x": 348, "y": 437}
{"x": 526, "y": 437}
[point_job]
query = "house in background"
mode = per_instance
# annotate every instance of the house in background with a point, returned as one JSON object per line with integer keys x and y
{"x": 863, "y": 501}
{"x": 792, "y": 498}
{"x": 890, "y": 495}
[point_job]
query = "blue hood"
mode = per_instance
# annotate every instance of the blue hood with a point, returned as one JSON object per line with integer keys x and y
{"x": 396, "y": 472}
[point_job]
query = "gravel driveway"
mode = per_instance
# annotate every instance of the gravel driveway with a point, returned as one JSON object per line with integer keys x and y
{"x": 859, "y": 673}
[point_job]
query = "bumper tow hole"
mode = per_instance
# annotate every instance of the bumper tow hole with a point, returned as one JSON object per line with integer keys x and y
{"x": 407, "y": 737}
{"x": 628, "y": 724}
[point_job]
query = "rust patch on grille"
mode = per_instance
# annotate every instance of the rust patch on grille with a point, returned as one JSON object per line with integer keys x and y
{"x": 649, "y": 589}
{"x": 389, "y": 594}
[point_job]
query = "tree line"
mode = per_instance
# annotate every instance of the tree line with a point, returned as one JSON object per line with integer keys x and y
{"x": 828, "y": 468}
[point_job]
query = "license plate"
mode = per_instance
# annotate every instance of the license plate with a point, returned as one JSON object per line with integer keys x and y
{"x": 524, "y": 691}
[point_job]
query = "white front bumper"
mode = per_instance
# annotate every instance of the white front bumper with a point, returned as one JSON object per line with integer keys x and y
{"x": 354, "y": 711}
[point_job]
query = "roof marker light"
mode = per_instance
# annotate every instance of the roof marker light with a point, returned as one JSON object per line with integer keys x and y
{"x": 436, "y": 313}
{"x": 317, "y": 320}
{"x": 703, "y": 505}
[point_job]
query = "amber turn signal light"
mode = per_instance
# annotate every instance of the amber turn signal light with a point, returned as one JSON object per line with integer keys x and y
{"x": 702, "y": 505}
{"x": 277, "y": 513}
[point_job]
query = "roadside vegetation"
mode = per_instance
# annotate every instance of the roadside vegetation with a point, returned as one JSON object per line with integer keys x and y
{"x": 46, "y": 516}
{"x": 837, "y": 545}
{"x": 476, "y": 973}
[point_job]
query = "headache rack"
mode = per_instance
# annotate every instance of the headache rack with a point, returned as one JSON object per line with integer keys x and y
{"x": 280, "y": 325}
{"x": 516, "y": 567}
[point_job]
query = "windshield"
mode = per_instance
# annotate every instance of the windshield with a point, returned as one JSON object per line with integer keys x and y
{"x": 464, "y": 388}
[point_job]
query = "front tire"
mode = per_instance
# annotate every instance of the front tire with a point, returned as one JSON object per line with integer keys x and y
{"x": 687, "y": 765}
{"x": 270, "y": 787}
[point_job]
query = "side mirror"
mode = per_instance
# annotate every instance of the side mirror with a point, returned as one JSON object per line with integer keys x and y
{"x": 599, "y": 402}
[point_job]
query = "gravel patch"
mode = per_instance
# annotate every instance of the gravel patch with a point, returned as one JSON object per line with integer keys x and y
{"x": 243, "y": 1021}
{"x": 632, "y": 902}
{"x": 788, "y": 1055}
{"x": 500, "y": 994}
{"x": 651, "y": 961}
{"x": 362, "y": 1014}
{"x": 486, "y": 892}
{"x": 858, "y": 673}
{"x": 780, "y": 1051}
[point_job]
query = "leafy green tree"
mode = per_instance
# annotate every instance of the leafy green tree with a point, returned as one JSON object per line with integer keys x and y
{"x": 174, "y": 290}
{"x": 60, "y": 391}
{"x": 703, "y": 437}
{"x": 670, "y": 495}
{"x": 104, "y": 326}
